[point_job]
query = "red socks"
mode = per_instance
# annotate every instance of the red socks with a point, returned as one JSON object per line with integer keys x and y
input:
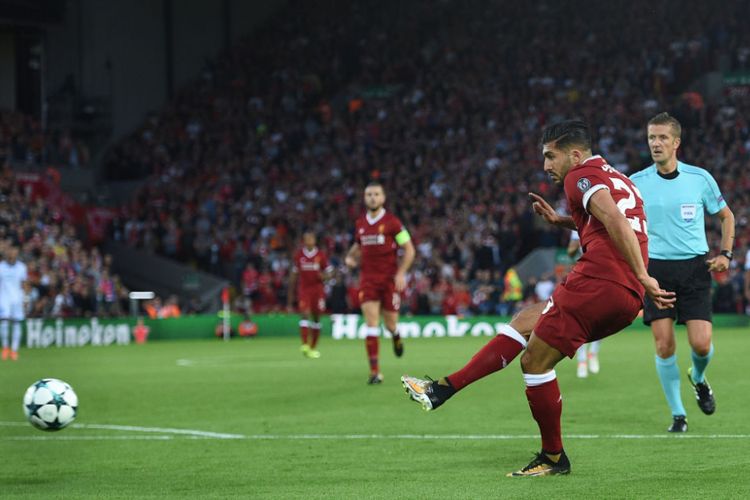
{"x": 303, "y": 329}
{"x": 545, "y": 402}
{"x": 315, "y": 332}
{"x": 494, "y": 356}
{"x": 371, "y": 343}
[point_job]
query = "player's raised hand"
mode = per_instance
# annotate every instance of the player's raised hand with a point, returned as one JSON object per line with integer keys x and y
{"x": 718, "y": 264}
{"x": 541, "y": 207}
{"x": 662, "y": 298}
{"x": 400, "y": 282}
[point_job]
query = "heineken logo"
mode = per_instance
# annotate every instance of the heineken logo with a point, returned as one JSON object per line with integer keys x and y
{"x": 351, "y": 326}
{"x": 40, "y": 333}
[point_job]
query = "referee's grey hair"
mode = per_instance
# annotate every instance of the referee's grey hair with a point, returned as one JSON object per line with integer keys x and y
{"x": 667, "y": 119}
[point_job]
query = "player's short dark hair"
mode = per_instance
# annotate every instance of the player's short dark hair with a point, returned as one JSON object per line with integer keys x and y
{"x": 375, "y": 184}
{"x": 667, "y": 119}
{"x": 567, "y": 134}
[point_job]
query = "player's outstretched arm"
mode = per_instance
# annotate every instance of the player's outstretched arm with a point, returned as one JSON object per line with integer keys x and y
{"x": 352, "y": 256}
{"x": 541, "y": 207}
{"x": 602, "y": 206}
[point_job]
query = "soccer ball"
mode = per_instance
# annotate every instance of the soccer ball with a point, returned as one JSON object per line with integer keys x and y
{"x": 50, "y": 404}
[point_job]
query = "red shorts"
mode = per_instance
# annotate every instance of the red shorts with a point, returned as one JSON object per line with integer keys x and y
{"x": 584, "y": 309}
{"x": 312, "y": 300}
{"x": 383, "y": 292}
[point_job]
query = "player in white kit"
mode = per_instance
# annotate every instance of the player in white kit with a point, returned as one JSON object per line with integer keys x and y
{"x": 12, "y": 276}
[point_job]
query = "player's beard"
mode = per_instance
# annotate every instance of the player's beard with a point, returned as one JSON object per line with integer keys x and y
{"x": 375, "y": 210}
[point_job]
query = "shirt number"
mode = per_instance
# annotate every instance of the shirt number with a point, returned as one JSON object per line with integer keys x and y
{"x": 627, "y": 203}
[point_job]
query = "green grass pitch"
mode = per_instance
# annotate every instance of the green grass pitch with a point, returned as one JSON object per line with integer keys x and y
{"x": 300, "y": 428}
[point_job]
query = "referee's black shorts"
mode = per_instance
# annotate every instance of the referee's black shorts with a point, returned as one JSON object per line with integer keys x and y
{"x": 691, "y": 282}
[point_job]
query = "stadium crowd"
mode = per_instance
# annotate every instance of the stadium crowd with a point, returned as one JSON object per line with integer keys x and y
{"x": 65, "y": 279}
{"x": 282, "y": 132}
{"x": 24, "y": 142}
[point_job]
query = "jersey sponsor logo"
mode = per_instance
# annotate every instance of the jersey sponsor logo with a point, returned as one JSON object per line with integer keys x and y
{"x": 373, "y": 239}
{"x": 688, "y": 211}
{"x": 310, "y": 266}
{"x": 583, "y": 184}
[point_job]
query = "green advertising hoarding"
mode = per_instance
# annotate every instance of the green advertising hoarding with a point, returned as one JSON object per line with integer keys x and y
{"x": 78, "y": 332}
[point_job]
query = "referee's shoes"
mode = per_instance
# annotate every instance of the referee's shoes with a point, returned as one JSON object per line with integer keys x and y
{"x": 703, "y": 393}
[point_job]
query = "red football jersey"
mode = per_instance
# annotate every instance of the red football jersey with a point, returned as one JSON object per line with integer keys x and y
{"x": 377, "y": 242}
{"x": 600, "y": 258}
{"x": 309, "y": 265}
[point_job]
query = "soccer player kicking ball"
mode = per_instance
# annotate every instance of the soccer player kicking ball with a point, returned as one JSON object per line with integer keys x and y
{"x": 12, "y": 276}
{"x": 602, "y": 294}
{"x": 377, "y": 238}
{"x": 309, "y": 270}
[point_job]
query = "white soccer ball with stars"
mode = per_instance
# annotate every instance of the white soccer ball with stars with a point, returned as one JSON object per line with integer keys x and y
{"x": 50, "y": 404}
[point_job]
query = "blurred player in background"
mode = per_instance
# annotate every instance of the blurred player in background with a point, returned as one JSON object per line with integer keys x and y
{"x": 601, "y": 295}
{"x": 676, "y": 196}
{"x": 588, "y": 354}
{"x": 377, "y": 238}
{"x": 12, "y": 276}
{"x": 308, "y": 273}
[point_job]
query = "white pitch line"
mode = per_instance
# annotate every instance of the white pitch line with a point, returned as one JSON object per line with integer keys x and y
{"x": 163, "y": 430}
{"x": 475, "y": 437}
{"x": 257, "y": 363}
{"x": 136, "y": 428}
{"x": 169, "y": 433}
{"x": 360, "y": 437}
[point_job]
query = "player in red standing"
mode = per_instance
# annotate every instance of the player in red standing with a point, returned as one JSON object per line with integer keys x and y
{"x": 308, "y": 272}
{"x": 378, "y": 235}
{"x": 602, "y": 294}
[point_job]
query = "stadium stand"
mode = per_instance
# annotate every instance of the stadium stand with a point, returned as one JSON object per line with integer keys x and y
{"x": 23, "y": 142}
{"x": 282, "y": 131}
{"x": 66, "y": 279}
